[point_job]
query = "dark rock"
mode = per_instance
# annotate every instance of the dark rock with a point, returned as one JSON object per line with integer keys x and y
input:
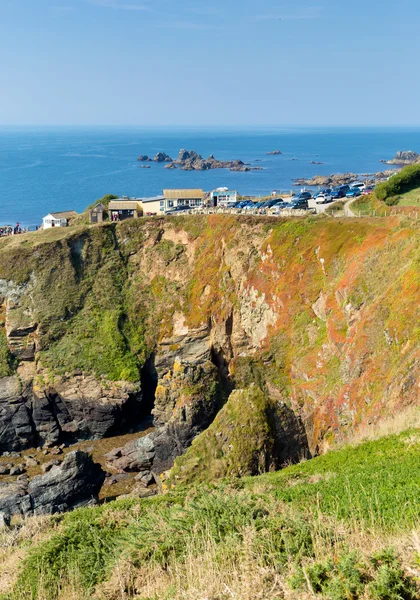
{"x": 162, "y": 157}
{"x": 4, "y": 470}
{"x": 314, "y": 162}
{"x": 76, "y": 482}
{"x": 16, "y": 428}
{"x": 144, "y": 158}
{"x": 14, "y": 499}
{"x": 274, "y": 153}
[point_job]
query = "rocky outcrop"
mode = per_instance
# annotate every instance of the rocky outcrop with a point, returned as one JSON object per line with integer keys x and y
{"x": 162, "y": 157}
{"x": 144, "y": 158}
{"x": 274, "y": 153}
{"x": 188, "y": 398}
{"x": 404, "y": 157}
{"x": 190, "y": 160}
{"x": 72, "y": 484}
{"x": 74, "y": 408}
{"x": 252, "y": 434}
{"x": 327, "y": 180}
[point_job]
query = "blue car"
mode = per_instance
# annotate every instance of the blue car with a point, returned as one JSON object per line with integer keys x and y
{"x": 353, "y": 193}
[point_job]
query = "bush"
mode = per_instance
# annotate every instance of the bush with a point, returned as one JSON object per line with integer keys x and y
{"x": 404, "y": 181}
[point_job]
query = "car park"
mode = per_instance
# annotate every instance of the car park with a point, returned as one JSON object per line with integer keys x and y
{"x": 353, "y": 193}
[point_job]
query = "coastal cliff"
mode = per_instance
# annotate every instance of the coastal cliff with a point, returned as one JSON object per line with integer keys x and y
{"x": 174, "y": 319}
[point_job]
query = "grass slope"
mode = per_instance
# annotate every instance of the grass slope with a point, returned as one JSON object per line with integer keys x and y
{"x": 336, "y": 527}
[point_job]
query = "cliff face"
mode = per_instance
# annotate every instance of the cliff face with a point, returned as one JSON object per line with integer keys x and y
{"x": 102, "y": 325}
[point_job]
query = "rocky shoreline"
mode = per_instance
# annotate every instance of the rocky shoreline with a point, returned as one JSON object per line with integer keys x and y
{"x": 344, "y": 179}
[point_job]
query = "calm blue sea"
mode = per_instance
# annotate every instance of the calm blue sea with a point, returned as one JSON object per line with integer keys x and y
{"x": 50, "y": 169}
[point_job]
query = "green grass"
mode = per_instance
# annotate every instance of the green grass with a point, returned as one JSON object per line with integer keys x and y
{"x": 288, "y": 522}
{"x": 411, "y": 198}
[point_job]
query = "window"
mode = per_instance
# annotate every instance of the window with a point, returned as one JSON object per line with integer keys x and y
{"x": 162, "y": 205}
{"x": 170, "y": 203}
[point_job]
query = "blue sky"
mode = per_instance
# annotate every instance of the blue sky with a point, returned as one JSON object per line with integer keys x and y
{"x": 200, "y": 62}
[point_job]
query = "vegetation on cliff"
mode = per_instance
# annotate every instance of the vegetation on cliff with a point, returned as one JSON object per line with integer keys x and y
{"x": 336, "y": 527}
{"x": 240, "y": 441}
{"x": 326, "y": 307}
{"x": 400, "y": 183}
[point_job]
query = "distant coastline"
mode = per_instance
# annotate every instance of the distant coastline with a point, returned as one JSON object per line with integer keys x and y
{"x": 53, "y": 169}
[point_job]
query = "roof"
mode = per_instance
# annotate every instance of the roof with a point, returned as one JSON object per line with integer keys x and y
{"x": 224, "y": 192}
{"x": 152, "y": 199}
{"x": 65, "y": 214}
{"x": 124, "y": 205}
{"x": 175, "y": 194}
{"x": 98, "y": 206}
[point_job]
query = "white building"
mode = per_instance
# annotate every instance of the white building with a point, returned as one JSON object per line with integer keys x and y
{"x": 58, "y": 219}
{"x": 224, "y": 197}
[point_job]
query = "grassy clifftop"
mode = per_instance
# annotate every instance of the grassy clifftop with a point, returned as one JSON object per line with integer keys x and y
{"x": 338, "y": 527}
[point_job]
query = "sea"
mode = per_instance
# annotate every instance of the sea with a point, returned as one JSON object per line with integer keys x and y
{"x": 50, "y": 169}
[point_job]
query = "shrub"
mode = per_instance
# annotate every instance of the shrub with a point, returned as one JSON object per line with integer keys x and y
{"x": 402, "y": 182}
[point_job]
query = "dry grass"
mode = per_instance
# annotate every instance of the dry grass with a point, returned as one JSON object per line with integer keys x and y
{"x": 15, "y": 543}
{"x": 408, "y": 418}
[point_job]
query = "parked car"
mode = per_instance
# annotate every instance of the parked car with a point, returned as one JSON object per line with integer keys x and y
{"x": 305, "y": 195}
{"x": 339, "y": 191}
{"x": 299, "y": 203}
{"x": 323, "y": 192}
{"x": 270, "y": 203}
{"x": 358, "y": 184}
{"x": 323, "y": 198}
{"x": 368, "y": 190}
{"x": 353, "y": 193}
{"x": 280, "y": 206}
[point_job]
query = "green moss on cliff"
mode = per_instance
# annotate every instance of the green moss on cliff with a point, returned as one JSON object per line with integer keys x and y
{"x": 239, "y": 442}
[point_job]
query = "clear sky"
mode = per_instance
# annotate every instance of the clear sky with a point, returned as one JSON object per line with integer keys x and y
{"x": 202, "y": 62}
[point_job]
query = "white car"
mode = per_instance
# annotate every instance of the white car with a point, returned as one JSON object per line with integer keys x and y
{"x": 324, "y": 199}
{"x": 358, "y": 184}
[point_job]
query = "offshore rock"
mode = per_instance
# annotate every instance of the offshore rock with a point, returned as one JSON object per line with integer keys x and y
{"x": 404, "y": 157}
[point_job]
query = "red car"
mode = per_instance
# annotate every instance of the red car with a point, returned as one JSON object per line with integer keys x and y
{"x": 367, "y": 191}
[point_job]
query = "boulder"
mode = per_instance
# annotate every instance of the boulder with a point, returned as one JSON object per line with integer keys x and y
{"x": 74, "y": 483}
{"x": 144, "y": 158}
{"x": 274, "y": 153}
{"x": 14, "y": 498}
